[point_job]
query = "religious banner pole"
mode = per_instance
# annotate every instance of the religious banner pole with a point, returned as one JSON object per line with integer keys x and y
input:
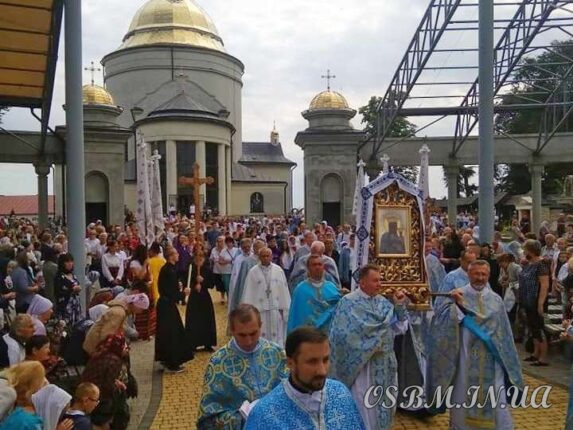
{"x": 196, "y": 181}
{"x": 143, "y": 212}
{"x": 156, "y": 198}
{"x": 423, "y": 178}
{"x": 360, "y": 182}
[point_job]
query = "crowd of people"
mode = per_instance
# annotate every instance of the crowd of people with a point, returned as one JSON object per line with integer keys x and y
{"x": 309, "y": 336}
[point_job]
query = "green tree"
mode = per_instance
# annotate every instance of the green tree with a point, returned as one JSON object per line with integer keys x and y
{"x": 400, "y": 128}
{"x": 537, "y": 76}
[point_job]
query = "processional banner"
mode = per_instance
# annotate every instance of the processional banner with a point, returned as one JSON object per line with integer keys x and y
{"x": 390, "y": 234}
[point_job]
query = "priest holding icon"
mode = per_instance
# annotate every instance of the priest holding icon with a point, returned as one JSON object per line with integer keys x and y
{"x": 362, "y": 344}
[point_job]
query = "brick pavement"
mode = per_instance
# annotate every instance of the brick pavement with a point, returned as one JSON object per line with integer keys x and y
{"x": 181, "y": 393}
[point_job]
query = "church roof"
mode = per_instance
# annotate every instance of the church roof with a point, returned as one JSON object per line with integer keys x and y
{"x": 172, "y": 22}
{"x": 196, "y": 100}
{"x": 241, "y": 173}
{"x": 264, "y": 152}
{"x": 182, "y": 97}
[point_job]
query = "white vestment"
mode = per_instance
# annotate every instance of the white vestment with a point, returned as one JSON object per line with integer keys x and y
{"x": 503, "y": 419}
{"x": 266, "y": 288}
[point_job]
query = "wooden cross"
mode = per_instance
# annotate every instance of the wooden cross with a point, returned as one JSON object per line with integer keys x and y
{"x": 196, "y": 181}
{"x": 328, "y": 77}
{"x": 92, "y": 69}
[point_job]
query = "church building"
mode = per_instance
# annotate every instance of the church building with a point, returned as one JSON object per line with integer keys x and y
{"x": 172, "y": 80}
{"x": 330, "y": 155}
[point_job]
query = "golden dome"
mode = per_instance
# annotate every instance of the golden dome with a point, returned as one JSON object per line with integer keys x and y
{"x": 180, "y": 22}
{"x": 96, "y": 95}
{"x": 329, "y": 100}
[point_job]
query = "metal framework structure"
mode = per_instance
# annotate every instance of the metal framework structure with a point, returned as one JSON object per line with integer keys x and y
{"x": 522, "y": 29}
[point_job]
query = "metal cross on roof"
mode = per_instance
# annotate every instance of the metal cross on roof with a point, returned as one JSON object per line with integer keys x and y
{"x": 328, "y": 77}
{"x": 92, "y": 69}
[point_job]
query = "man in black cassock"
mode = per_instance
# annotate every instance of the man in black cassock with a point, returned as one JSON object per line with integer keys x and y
{"x": 171, "y": 349}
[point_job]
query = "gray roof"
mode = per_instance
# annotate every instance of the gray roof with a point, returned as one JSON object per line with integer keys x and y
{"x": 184, "y": 102}
{"x": 264, "y": 152}
{"x": 181, "y": 96}
{"x": 241, "y": 173}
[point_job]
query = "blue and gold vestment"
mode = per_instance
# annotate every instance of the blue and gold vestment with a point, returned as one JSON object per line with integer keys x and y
{"x": 233, "y": 376}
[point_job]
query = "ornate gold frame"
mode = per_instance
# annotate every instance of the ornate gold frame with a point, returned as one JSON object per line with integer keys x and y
{"x": 401, "y": 271}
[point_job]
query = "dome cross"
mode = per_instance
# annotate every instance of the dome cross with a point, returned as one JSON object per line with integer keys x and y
{"x": 328, "y": 77}
{"x": 92, "y": 69}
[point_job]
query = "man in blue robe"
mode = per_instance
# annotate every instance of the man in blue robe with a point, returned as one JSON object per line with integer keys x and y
{"x": 240, "y": 373}
{"x": 299, "y": 271}
{"x": 434, "y": 267}
{"x": 362, "y": 341}
{"x": 471, "y": 346}
{"x": 307, "y": 399}
{"x": 411, "y": 349}
{"x": 314, "y": 300}
{"x": 456, "y": 278}
{"x": 247, "y": 264}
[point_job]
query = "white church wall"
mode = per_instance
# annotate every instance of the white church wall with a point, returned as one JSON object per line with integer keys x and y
{"x": 130, "y": 196}
{"x": 277, "y": 173}
{"x": 132, "y": 74}
{"x": 177, "y": 130}
{"x": 273, "y": 198}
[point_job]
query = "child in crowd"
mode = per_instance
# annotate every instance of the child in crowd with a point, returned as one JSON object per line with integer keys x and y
{"x": 85, "y": 400}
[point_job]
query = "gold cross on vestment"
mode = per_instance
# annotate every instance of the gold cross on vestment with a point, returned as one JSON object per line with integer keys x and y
{"x": 92, "y": 69}
{"x": 328, "y": 77}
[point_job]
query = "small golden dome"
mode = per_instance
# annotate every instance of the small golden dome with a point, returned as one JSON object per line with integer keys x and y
{"x": 180, "y": 22}
{"x": 96, "y": 95}
{"x": 328, "y": 100}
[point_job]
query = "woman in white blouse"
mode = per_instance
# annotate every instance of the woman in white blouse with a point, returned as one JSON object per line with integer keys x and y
{"x": 111, "y": 266}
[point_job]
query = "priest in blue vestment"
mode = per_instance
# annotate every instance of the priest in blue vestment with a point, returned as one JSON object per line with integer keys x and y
{"x": 247, "y": 264}
{"x": 457, "y": 278}
{"x": 299, "y": 271}
{"x": 307, "y": 400}
{"x": 434, "y": 267}
{"x": 472, "y": 345}
{"x": 362, "y": 340}
{"x": 240, "y": 373}
{"x": 314, "y": 300}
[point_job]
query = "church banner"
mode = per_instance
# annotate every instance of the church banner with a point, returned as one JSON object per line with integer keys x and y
{"x": 143, "y": 213}
{"x": 390, "y": 234}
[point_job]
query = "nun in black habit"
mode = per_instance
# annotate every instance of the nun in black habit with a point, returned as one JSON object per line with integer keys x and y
{"x": 171, "y": 347}
{"x": 200, "y": 316}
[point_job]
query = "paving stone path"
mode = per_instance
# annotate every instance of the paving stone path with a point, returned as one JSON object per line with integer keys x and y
{"x": 170, "y": 401}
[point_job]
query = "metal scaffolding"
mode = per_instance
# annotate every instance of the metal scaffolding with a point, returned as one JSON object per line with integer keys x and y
{"x": 438, "y": 75}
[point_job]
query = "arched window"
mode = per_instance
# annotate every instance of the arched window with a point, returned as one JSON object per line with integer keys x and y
{"x": 257, "y": 203}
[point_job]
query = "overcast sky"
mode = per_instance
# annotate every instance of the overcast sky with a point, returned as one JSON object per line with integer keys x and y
{"x": 285, "y": 45}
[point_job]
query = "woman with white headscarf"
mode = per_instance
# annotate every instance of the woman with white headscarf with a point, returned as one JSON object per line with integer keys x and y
{"x": 40, "y": 309}
{"x": 96, "y": 312}
{"x": 50, "y": 402}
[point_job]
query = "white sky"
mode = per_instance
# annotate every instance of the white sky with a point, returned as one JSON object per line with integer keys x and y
{"x": 285, "y": 45}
